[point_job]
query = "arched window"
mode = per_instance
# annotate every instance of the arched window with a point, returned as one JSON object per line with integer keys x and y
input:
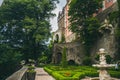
{"x": 56, "y": 38}
{"x": 59, "y": 57}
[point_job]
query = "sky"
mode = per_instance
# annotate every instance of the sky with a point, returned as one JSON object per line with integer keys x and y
{"x": 53, "y": 21}
{"x": 1, "y": 1}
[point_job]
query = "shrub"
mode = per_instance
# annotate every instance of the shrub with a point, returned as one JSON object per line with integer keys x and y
{"x": 114, "y": 74}
{"x": 48, "y": 70}
{"x": 31, "y": 69}
{"x": 64, "y": 60}
{"x": 76, "y": 72}
{"x": 63, "y": 38}
{"x": 108, "y": 59}
{"x": 92, "y": 74}
{"x": 67, "y": 74}
{"x": 80, "y": 75}
{"x": 58, "y": 76}
{"x": 87, "y": 61}
{"x": 71, "y": 62}
{"x": 97, "y": 57}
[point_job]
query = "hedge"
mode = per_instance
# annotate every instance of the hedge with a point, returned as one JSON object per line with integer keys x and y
{"x": 77, "y": 73}
{"x": 115, "y": 74}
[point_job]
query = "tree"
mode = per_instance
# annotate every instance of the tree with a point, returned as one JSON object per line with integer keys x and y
{"x": 24, "y": 30}
{"x": 80, "y": 10}
{"x": 25, "y": 25}
{"x": 64, "y": 58}
{"x": 83, "y": 22}
{"x": 9, "y": 61}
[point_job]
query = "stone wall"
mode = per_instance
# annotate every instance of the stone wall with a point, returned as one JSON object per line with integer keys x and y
{"x": 59, "y": 33}
{"x": 107, "y": 41}
{"x": 74, "y": 52}
{"x": 19, "y": 75}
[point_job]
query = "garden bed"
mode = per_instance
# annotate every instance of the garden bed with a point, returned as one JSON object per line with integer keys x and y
{"x": 75, "y": 72}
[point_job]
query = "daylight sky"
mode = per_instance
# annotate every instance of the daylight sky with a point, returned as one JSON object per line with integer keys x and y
{"x": 53, "y": 21}
{"x": 56, "y": 11}
{"x": 1, "y": 1}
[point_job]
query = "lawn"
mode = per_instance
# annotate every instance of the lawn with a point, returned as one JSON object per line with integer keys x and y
{"x": 76, "y": 72}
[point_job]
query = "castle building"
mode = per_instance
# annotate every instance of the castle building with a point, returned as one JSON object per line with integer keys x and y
{"x": 75, "y": 50}
{"x": 63, "y": 26}
{"x": 63, "y": 22}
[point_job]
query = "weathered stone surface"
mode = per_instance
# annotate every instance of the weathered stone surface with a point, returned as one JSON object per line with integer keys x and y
{"x": 74, "y": 52}
{"x": 108, "y": 40}
{"x": 18, "y": 75}
{"x": 104, "y": 14}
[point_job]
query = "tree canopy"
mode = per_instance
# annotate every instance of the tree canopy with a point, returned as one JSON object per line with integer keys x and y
{"x": 24, "y": 24}
{"x": 80, "y": 10}
{"x": 24, "y": 29}
{"x": 82, "y": 21}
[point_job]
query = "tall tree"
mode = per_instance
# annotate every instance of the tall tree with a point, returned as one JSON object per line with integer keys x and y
{"x": 82, "y": 21}
{"x": 25, "y": 25}
{"x": 24, "y": 29}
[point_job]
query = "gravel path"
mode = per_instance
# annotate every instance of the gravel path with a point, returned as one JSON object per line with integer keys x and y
{"x": 42, "y": 75}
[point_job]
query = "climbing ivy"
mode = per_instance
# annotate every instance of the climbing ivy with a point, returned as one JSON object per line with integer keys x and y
{"x": 89, "y": 33}
{"x": 117, "y": 32}
{"x": 82, "y": 21}
{"x": 63, "y": 38}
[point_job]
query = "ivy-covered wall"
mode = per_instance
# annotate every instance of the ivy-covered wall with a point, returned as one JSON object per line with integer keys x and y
{"x": 108, "y": 39}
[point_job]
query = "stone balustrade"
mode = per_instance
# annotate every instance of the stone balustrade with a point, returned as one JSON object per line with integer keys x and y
{"x": 19, "y": 75}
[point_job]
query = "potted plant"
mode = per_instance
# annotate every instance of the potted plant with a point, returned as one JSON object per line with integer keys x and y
{"x": 31, "y": 73}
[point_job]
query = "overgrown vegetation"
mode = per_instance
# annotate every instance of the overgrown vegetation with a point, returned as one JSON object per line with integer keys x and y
{"x": 82, "y": 21}
{"x": 117, "y": 57}
{"x": 115, "y": 19}
{"x": 109, "y": 59}
{"x": 63, "y": 38}
{"x": 87, "y": 61}
{"x": 9, "y": 61}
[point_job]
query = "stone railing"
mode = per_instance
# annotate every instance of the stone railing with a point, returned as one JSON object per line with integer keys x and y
{"x": 19, "y": 75}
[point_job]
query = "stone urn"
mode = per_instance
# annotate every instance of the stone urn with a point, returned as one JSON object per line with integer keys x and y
{"x": 31, "y": 73}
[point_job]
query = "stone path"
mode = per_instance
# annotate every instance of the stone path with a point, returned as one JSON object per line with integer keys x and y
{"x": 42, "y": 75}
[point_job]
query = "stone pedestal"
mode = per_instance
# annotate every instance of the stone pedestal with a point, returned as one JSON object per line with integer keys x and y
{"x": 103, "y": 75}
